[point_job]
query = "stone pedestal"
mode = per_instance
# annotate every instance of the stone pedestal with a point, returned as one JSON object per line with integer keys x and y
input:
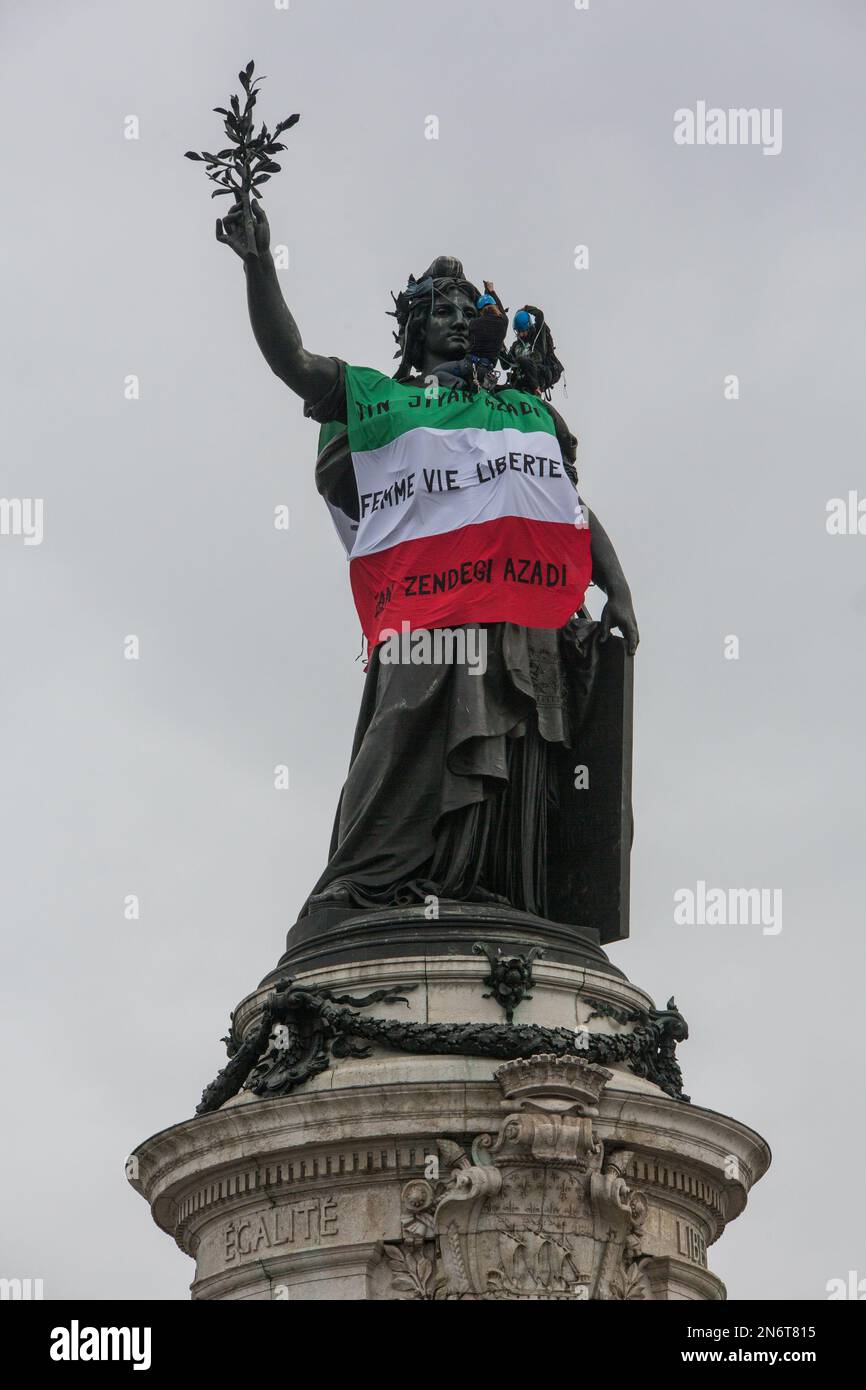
{"x": 465, "y": 1124}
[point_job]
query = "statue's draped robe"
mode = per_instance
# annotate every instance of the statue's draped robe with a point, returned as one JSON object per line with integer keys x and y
{"x": 450, "y": 788}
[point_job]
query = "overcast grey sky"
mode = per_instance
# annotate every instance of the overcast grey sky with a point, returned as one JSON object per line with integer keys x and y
{"x": 155, "y": 777}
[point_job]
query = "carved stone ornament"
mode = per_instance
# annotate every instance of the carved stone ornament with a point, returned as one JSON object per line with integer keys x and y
{"x": 300, "y": 1029}
{"x": 510, "y": 978}
{"x": 538, "y": 1212}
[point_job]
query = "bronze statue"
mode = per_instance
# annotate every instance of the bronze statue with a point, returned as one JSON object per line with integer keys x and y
{"x": 450, "y": 793}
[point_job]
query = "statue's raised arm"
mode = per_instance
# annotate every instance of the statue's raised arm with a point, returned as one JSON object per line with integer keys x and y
{"x": 276, "y": 332}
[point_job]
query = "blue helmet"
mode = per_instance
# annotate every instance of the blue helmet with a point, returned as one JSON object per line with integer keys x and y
{"x": 523, "y": 321}
{"x": 484, "y": 300}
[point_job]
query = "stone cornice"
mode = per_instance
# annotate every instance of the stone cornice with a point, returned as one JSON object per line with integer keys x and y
{"x": 241, "y": 1153}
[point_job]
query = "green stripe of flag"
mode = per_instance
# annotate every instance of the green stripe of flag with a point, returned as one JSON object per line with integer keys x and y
{"x": 381, "y": 409}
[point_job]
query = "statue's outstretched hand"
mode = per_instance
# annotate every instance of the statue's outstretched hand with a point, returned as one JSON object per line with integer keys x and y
{"x": 230, "y": 230}
{"x": 619, "y": 612}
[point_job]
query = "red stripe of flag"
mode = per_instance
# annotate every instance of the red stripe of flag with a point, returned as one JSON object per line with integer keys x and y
{"x": 464, "y": 576}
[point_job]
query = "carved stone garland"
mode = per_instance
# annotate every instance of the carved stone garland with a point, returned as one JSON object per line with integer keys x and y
{"x": 300, "y": 1029}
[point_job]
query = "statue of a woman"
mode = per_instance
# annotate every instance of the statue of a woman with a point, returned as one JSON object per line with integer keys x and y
{"x": 449, "y": 791}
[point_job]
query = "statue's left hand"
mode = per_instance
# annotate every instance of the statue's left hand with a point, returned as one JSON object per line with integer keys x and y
{"x": 619, "y": 612}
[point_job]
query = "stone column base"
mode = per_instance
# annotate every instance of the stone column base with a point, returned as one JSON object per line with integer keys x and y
{"x": 453, "y": 1179}
{"x": 382, "y": 1173}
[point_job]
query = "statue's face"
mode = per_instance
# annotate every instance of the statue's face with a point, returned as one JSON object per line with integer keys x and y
{"x": 447, "y": 332}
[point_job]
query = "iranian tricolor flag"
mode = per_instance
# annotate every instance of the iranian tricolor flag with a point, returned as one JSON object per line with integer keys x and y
{"x": 466, "y": 511}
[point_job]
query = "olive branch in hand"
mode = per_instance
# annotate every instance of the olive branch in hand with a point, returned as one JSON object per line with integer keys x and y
{"x": 248, "y": 161}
